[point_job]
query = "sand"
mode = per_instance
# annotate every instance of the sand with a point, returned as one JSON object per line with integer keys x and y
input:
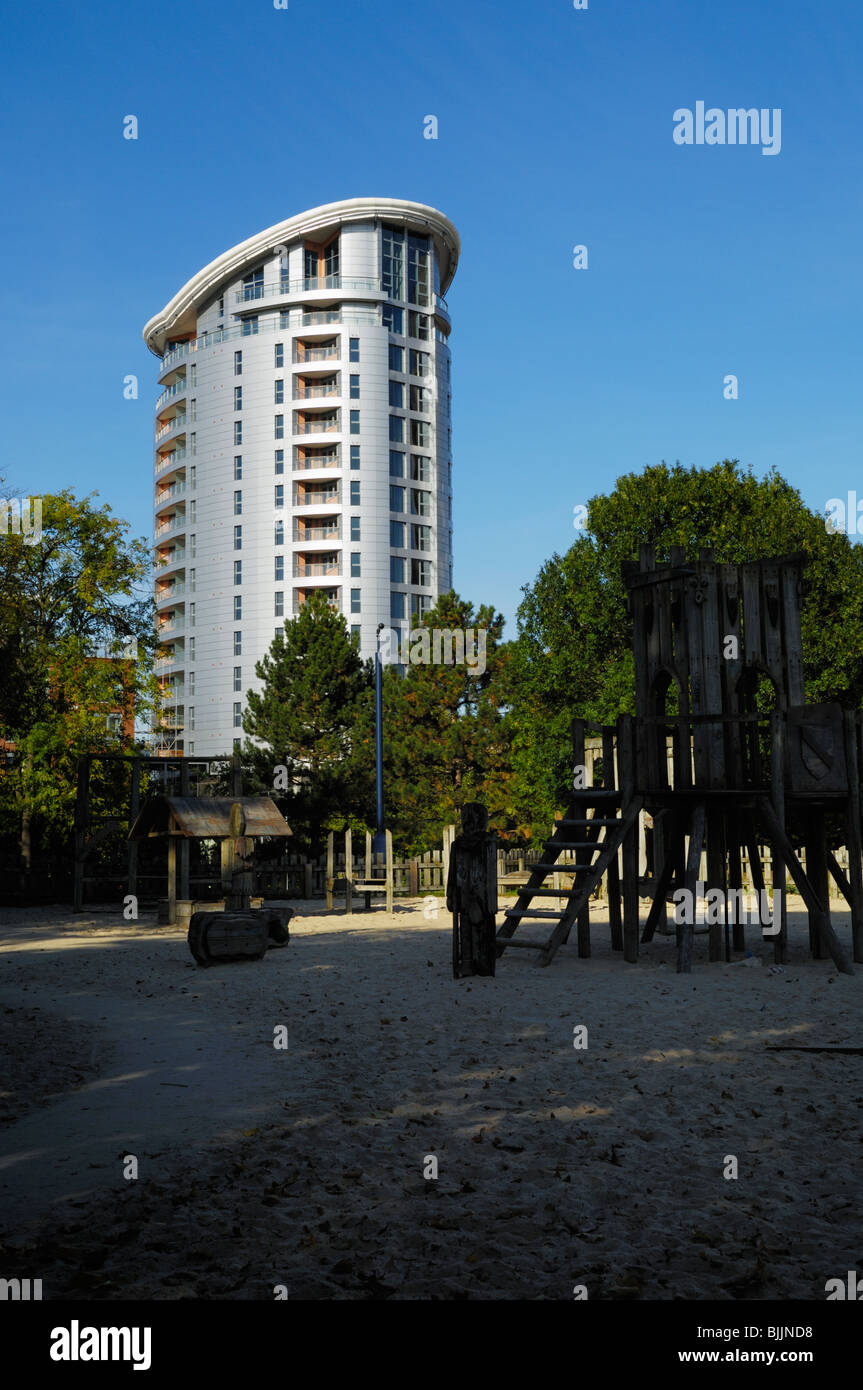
{"x": 260, "y": 1167}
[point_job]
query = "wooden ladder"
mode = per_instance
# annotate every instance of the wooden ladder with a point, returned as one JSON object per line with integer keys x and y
{"x": 595, "y": 840}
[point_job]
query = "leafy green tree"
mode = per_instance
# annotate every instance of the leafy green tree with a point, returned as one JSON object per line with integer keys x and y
{"x": 573, "y": 655}
{"x": 311, "y": 719}
{"x": 68, "y": 603}
{"x": 446, "y": 737}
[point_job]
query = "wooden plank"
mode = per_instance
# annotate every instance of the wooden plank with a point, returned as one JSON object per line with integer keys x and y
{"x": 631, "y": 808}
{"x": 330, "y": 879}
{"x": 614, "y": 917}
{"x": 349, "y": 873}
{"x": 791, "y": 576}
{"x": 663, "y": 883}
{"x": 816, "y": 869}
{"x": 855, "y": 835}
{"x": 806, "y": 890}
{"x": 686, "y": 931}
{"x": 712, "y": 630}
{"x": 716, "y": 878}
{"x": 389, "y": 868}
{"x": 579, "y": 898}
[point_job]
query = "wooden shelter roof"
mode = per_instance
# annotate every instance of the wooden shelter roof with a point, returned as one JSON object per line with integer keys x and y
{"x": 207, "y": 818}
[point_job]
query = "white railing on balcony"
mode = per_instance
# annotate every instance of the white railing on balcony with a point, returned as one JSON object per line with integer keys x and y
{"x": 316, "y": 568}
{"x": 175, "y": 591}
{"x": 178, "y": 422}
{"x": 314, "y": 498}
{"x": 278, "y": 288}
{"x": 312, "y": 461}
{"x": 317, "y": 533}
{"x": 176, "y": 354}
{"x": 328, "y": 354}
{"x": 166, "y": 493}
{"x": 165, "y": 629}
{"x": 169, "y": 461}
{"x": 317, "y": 427}
{"x": 178, "y": 389}
{"x": 176, "y": 557}
{"x": 176, "y": 523}
{"x": 308, "y": 393}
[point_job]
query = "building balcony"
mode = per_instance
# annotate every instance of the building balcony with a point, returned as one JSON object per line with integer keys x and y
{"x": 170, "y": 629}
{"x": 170, "y": 594}
{"x": 164, "y": 664}
{"x": 171, "y": 560}
{"x": 176, "y": 355}
{"x": 169, "y": 461}
{"x": 315, "y": 424}
{"x": 166, "y": 494}
{"x": 172, "y": 526}
{"x": 333, "y": 597}
{"x": 283, "y": 288}
{"x": 315, "y": 390}
{"x": 327, "y": 458}
{"x": 317, "y": 497}
{"x": 315, "y": 532}
{"x": 172, "y": 393}
{"x": 172, "y": 426}
{"x": 304, "y": 353}
{"x": 321, "y": 566}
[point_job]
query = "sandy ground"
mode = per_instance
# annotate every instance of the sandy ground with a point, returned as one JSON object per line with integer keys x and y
{"x": 304, "y": 1167}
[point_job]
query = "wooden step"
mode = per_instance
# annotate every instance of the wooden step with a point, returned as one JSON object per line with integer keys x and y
{"x": 597, "y": 794}
{"x": 540, "y": 912}
{"x": 592, "y": 820}
{"x": 562, "y": 868}
{"x": 555, "y": 892}
{"x": 570, "y": 844}
{"x": 524, "y": 945}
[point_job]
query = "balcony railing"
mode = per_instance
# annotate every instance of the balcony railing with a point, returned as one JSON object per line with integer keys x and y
{"x": 307, "y": 393}
{"x": 178, "y": 389}
{"x": 330, "y": 497}
{"x": 317, "y": 427}
{"x": 277, "y": 288}
{"x": 295, "y": 319}
{"x": 166, "y": 629}
{"x": 175, "y": 423}
{"x": 331, "y": 597}
{"x": 317, "y": 533}
{"x": 165, "y": 663}
{"x": 317, "y": 355}
{"x": 170, "y": 461}
{"x": 175, "y": 490}
{"x": 175, "y": 524}
{"x": 317, "y": 567}
{"x": 313, "y": 461}
{"x": 174, "y": 592}
{"x": 176, "y": 557}
{"x": 175, "y": 355}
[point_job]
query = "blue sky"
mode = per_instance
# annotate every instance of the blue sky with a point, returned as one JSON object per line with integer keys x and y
{"x": 555, "y": 129}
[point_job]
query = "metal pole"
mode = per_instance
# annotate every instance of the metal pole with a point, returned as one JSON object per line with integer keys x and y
{"x": 379, "y": 845}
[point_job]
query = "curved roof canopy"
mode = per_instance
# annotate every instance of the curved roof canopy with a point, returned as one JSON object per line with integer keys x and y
{"x": 179, "y": 317}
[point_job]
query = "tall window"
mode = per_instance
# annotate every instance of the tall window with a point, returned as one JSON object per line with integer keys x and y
{"x": 397, "y": 358}
{"x": 238, "y": 608}
{"x": 238, "y": 677}
{"x": 354, "y": 349}
{"x": 419, "y": 362}
{"x": 418, "y": 270}
{"x": 279, "y": 605}
{"x": 393, "y": 263}
{"x": 279, "y": 568}
{"x": 238, "y": 364}
{"x": 397, "y": 499}
{"x": 280, "y": 427}
{"x": 238, "y": 537}
{"x": 420, "y": 502}
{"x": 279, "y": 355}
{"x": 238, "y": 431}
{"x": 355, "y": 422}
{"x": 238, "y": 644}
{"x": 397, "y": 569}
{"x": 191, "y": 682}
{"x": 238, "y": 571}
{"x": 280, "y": 495}
{"x": 355, "y": 492}
{"x": 250, "y": 325}
{"x": 238, "y": 397}
{"x": 397, "y": 535}
{"x": 191, "y": 649}
{"x": 397, "y": 464}
{"x": 420, "y": 468}
{"x": 280, "y": 460}
{"x": 397, "y": 429}
{"x": 355, "y": 529}
{"x": 238, "y": 715}
{"x": 355, "y": 387}
{"x": 393, "y": 319}
{"x": 355, "y": 456}
{"x": 191, "y": 716}
{"x": 355, "y": 564}
{"x": 238, "y": 467}
{"x": 238, "y": 503}
{"x": 279, "y": 394}
{"x": 355, "y": 601}
{"x": 253, "y": 284}
{"x": 420, "y": 433}
{"x": 279, "y": 538}
{"x": 419, "y": 399}
{"x": 418, "y": 325}
{"x": 421, "y": 572}
{"x": 397, "y": 605}
{"x": 397, "y": 395}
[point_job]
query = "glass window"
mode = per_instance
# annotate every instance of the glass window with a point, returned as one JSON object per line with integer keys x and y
{"x": 192, "y": 544}
{"x": 191, "y": 615}
{"x": 238, "y": 431}
{"x": 354, "y": 349}
{"x": 419, "y": 399}
{"x": 279, "y": 603}
{"x": 397, "y": 535}
{"x": 355, "y": 601}
{"x": 418, "y": 270}
{"x": 331, "y": 261}
{"x": 238, "y": 467}
{"x": 397, "y": 605}
{"x": 421, "y": 572}
{"x": 238, "y": 715}
{"x": 250, "y": 326}
{"x": 279, "y": 355}
{"x": 191, "y": 649}
{"x": 279, "y": 393}
{"x": 397, "y": 429}
{"x": 397, "y": 499}
{"x": 253, "y": 284}
{"x": 355, "y": 633}
{"x": 238, "y": 364}
{"x": 355, "y": 528}
{"x": 355, "y": 492}
{"x": 191, "y": 682}
{"x": 420, "y": 538}
{"x": 420, "y": 502}
{"x": 419, "y": 362}
{"x": 420, "y": 603}
{"x": 355, "y": 422}
{"x": 392, "y": 262}
{"x": 397, "y": 569}
{"x": 420, "y": 468}
{"x": 193, "y": 443}
{"x": 238, "y": 677}
{"x": 279, "y": 427}
{"x": 238, "y": 503}
{"x": 238, "y": 537}
{"x": 238, "y": 607}
{"x": 193, "y": 473}
{"x": 280, "y": 460}
{"x": 397, "y": 358}
{"x": 420, "y": 433}
{"x": 279, "y": 568}
{"x": 397, "y": 464}
{"x": 238, "y": 571}
{"x": 418, "y": 325}
{"x": 238, "y": 397}
{"x": 397, "y": 395}
{"x": 355, "y": 564}
{"x": 280, "y": 495}
{"x": 191, "y": 716}
{"x": 393, "y": 319}
{"x": 279, "y": 538}
{"x": 355, "y": 456}
{"x": 193, "y": 511}
{"x": 355, "y": 387}
{"x": 238, "y": 644}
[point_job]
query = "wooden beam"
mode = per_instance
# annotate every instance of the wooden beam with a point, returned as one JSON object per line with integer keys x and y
{"x": 687, "y": 929}
{"x": 806, "y": 890}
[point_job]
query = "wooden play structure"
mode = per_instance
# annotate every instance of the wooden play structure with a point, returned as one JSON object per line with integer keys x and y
{"x": 718, "y": 641}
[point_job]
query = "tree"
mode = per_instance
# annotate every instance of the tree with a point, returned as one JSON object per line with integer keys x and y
{"x": 573, "y": 655}
{"x": 68, "y": 606}
{"x": 446, "y": 737}
{"x": 308, "y": 720}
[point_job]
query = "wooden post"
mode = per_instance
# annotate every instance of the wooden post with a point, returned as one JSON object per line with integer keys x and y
{"x": 816, "y": 872}
{"x": 236, "y": 775}
{"x": 716, "y": 879}
{"x": 735, "y": 883}
{"x": 579, "y": 761}
{"x": 626, "y": 764}
{"x": 308, "y": 884}
{"x": 823, "y": 925}
{"x": 239, "y": 897}
{"x": 414, "y": 877}
{"x": 82, "y": 817}
{"x": 330, "y": 871}
{"x": 172, "y": 879}
{"x": 608, "y": 779}
{"x": 184, "y": 843}
{"x": 349, "y": 873}
{"x": 368, "y": 872}
{"x": 855, "y": 837}
{"x": 134, "y": 808}
{"x": 777, "y": 798}
{"x": 686, "y": 930}
{"x": 389, "y": 870}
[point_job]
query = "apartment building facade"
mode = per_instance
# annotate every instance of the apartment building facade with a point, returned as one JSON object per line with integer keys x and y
{"x": 302, "y": 442}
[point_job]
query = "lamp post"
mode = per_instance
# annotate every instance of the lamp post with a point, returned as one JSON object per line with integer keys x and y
{"x": 379, "y": 843}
